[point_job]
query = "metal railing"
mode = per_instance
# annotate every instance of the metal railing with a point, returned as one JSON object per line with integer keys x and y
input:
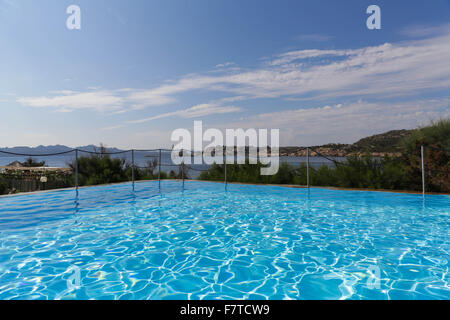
{"x": 182, "y": 167}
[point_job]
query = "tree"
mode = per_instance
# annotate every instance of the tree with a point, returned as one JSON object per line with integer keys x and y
{"x": 3, "y": 186}
{"x": 101, "y": 169}
{"x": 30, "y": 162}
{"x": 436, "y": 141}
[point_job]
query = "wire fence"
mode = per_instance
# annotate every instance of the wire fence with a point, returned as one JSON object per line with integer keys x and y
{"x": 153, "y": 164}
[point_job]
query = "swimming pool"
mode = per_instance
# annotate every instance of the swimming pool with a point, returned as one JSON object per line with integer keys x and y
{"x": 250, "y": 242}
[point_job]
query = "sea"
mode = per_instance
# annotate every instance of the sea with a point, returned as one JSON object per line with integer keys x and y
{"x": 141, "y": 159}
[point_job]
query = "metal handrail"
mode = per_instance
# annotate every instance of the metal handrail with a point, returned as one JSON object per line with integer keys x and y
{"x": 182, "y": 166}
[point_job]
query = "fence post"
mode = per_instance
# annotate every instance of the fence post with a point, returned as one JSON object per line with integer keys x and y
{"x": 307, "y": 167}
{"x": 225, "y": 166}
{"x": 182, "y": 171}
{"x": 423, "y": 168}
{"x": 76, "y": 169}
{"x": 159, "y": 166}
{"x": 159, "y": 169}
{"x": 132, "y": 167}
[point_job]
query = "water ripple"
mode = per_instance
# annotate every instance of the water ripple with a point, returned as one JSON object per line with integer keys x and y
{"x": 251, "y": 242}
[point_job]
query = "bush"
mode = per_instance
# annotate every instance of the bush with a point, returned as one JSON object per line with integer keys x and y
{"x": 3, "y": 186}
{"x": 436, "y": 141}
{"x": 102, "y": 169}
{"x": 30, "y": 162}
{"x": 396, "y": 173}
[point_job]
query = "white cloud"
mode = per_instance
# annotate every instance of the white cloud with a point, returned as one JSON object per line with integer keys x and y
{"x": 407, "y": 68}
{"x": 141, "y": 99}
{"x": 395, "y": 69}
{"x": 113, "y": 127}
{"x": 288, "y": 57}
{"x": 68, "y": 101}
{"x": 419, "y": 31}
{"x": 225, "y": 65}
{"x": 196, "y": 111}
{"x": 346, "y": 123}
{"x": 117, "y": 101}
{"x": 314, "y": 37}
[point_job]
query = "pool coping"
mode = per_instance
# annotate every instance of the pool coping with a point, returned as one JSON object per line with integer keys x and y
{"x": 237, "y": 183}
{"x": 328, "y": 187}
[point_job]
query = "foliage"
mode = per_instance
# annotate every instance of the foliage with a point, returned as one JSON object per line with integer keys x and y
{"x": 390, "y": 141}
{"x": 3, "y": 186}
{"x": 103, "y": 169}
{"x": 100, "y": 169}
{"x": 395, "y": 173}
{"x": 250, "y": 173}
{"x": 357, "y": 172}
{"x": 436, "y": 141}
{"x": 30, "y": 162}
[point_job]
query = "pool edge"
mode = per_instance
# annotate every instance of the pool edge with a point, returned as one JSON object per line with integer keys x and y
{"x": 232, "y": 183}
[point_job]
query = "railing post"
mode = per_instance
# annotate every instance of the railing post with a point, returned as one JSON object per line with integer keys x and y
{"x": 307, "y": 167}
{"x": 159, "y": 166}
{"x": 423, "y": 168}
{"x": 225, "y": 166}
{"x": 132, "y": 167}
{"x": 76, "y": 169}
{"x": 159, "y": 169}
{"x": 182, "y": 171}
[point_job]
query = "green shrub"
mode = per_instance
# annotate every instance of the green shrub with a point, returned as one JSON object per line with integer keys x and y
{"x": 31, "y": 162}
{"x": 3, "y": 186}
{"x": 102, "y": 169}
{"x": 396, "y": 173}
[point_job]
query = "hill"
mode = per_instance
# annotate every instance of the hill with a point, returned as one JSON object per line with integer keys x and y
{"x": 377, "y": 145}
{"x": 388, "y": 143}
{"x": 51, "y": 149}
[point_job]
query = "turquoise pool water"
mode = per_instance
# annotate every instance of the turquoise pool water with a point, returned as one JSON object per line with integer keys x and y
{"x": 251, "y": 242}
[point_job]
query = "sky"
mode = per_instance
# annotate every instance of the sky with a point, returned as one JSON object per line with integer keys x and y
{"x": 137, "y": 70}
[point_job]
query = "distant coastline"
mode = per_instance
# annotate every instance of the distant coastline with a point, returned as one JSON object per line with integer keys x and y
{"x": 385, "y": 144}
